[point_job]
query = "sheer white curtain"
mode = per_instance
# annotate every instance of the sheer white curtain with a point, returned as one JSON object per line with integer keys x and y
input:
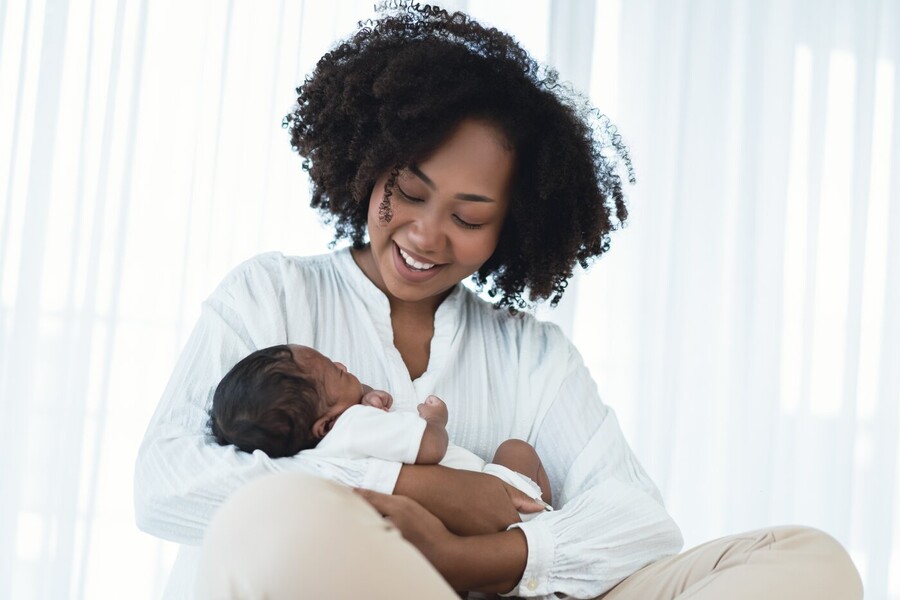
{"x": 745, "y": 325}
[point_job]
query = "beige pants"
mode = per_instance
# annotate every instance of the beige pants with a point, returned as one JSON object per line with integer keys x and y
{"x": 292, "y": 536}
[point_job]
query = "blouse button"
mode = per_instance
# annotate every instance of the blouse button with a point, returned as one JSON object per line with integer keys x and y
{"x": 532, "y": 584}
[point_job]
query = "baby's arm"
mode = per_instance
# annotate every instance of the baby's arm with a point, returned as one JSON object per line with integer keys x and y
{"x": 435, "y": 439}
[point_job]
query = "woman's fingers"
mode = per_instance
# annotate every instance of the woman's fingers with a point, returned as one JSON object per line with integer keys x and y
{"x": 383, "y": 503}
{"x": 418, "y": 526}
{"x": 400, "y": 509}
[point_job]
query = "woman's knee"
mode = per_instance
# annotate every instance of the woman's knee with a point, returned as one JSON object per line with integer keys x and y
{"x": 830, "y": 559}
{"x": 277, "y": 527}
{"x": 285, "y": 503}
{"x": 291, "y": 535}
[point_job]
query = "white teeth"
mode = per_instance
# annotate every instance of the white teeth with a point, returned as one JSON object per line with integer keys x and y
{"x": 409, "y": 260}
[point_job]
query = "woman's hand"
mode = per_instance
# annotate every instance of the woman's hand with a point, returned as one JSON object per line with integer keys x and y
{"x": 418, "y": 526}
{"x": 466, "y": 502}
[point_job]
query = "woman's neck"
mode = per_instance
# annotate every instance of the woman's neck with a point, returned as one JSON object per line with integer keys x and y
{"x": 412, "y": 322}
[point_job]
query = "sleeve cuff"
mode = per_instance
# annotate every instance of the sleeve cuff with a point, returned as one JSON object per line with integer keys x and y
{"x": 381, "y": 476}
{"x": 541, "y": 548}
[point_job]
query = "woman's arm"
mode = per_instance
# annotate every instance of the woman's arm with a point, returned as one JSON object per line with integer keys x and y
{"x": 610, "y": 519}
{"x": 491, "y": 563}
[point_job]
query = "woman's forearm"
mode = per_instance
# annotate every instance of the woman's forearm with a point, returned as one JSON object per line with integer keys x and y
{"x": 491, "y": 563}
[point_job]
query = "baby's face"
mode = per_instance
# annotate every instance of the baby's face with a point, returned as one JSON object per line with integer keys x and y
{"x": 339, "y": 389}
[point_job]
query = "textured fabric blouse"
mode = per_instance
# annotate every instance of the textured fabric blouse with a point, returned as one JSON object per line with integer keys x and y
{"x": 501, "y": 376}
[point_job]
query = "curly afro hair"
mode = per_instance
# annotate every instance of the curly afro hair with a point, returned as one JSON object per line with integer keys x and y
{"x": 392, "y": 93}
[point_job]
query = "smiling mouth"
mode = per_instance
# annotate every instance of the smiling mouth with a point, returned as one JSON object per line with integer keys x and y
{"x": 413, "y": 263}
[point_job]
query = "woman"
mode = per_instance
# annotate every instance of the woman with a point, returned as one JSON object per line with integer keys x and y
{"x": 447, "y": 147}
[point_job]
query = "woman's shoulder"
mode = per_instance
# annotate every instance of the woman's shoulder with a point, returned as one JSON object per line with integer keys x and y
{"x": 279, "y": 267}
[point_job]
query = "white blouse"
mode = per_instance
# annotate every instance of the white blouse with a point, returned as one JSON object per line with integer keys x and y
{"x": 501, "y": 376}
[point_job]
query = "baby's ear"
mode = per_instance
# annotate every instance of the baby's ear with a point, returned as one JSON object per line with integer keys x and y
{"x": 321, "y": 427}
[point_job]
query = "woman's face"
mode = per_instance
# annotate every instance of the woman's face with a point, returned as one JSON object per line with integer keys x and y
{"x": 447, "y": 210}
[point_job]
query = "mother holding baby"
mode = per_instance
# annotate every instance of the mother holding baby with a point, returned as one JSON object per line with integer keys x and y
{"x": 441, "y": 150}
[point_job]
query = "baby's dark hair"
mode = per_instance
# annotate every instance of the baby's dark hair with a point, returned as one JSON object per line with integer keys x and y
{"x": 265, "y": 403}
{"x": 391, "y": 94}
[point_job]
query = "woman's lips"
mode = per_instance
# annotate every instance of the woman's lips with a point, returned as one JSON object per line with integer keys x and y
{"x": 409, "y": 273}
{"x": 415, "y": 262}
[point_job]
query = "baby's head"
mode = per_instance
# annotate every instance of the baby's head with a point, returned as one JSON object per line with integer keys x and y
{"x": 281, "y": 400}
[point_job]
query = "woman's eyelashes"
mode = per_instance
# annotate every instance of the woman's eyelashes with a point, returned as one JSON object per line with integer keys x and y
{"x": 465, "y": 224}
{"x": 456, "y": 218}
{"x": 409, "y": 198}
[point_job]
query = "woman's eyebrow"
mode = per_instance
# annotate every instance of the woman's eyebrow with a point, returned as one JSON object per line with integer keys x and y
{"x": 427, "y": 181}
{"x": 473, "y": 198}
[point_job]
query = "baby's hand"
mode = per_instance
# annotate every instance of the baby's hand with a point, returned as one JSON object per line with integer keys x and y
{"x": 433, "y": 409}
{"x": 376, "y": 398}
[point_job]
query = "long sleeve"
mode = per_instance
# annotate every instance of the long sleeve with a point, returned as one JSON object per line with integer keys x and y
{"x": 610, "y": 520}
{"x": 182, "y": 475}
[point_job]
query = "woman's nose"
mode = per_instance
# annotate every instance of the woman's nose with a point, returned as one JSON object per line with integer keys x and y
{"x": 427, "y": 234}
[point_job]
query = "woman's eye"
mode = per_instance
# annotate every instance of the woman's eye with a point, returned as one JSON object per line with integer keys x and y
{"x": 466, "y": 224}
{"x": 461, "y": 222}
{"x": 407, "y": 197}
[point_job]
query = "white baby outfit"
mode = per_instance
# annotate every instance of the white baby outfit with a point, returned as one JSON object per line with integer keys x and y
{"x": 368, "y": 432}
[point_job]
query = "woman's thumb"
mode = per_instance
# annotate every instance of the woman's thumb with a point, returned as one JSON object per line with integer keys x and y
{"x": 524, "y": 504}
